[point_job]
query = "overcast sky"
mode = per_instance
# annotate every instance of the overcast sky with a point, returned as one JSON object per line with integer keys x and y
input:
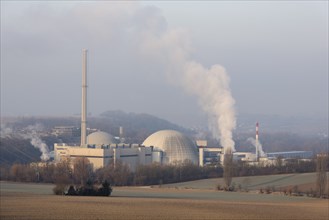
{"x": 275, "y": 53}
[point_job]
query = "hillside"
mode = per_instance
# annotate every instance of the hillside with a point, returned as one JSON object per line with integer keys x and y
{"x": 14, "y": 148}
{"x": 137, "y": 126}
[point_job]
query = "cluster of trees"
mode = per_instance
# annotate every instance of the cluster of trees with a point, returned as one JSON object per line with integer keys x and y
{"x": 81, "y": 174}
{"x": 241, "y": 168}
{"x": 180, "y": 172}
{"x": 87, "y": 189}
{"x": 320, "y": 165}
{"x": 120, "y": 174}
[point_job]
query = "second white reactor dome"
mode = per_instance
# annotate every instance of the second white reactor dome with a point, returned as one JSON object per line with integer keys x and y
{"x": 175, "y": 145}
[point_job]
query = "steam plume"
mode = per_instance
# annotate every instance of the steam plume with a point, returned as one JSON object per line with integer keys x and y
{"x": 143, "y": 31}
{"x": 210, "y": 85}
{"x": 30, "y": 133}
{"x": 260, "y": 147}
{"x": 5, "y": 131}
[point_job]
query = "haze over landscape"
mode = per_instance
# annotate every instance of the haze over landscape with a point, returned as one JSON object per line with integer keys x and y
{"x": 190, "y": 110}
{"x": 275, "y": 54}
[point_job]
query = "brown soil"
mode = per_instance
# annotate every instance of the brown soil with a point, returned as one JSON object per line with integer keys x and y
{"x": 32, "y": 206}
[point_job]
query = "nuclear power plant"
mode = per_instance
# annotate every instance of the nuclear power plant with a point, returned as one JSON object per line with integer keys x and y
{"x": 164, "y": 147}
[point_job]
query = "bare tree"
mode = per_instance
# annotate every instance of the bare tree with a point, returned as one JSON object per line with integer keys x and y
{"x": 62, "y": 176}
{"x": 82, "y": 170}
{"x": 117, "y": 174}
{"x": 228, "y": 168}
{"x": 62, "y": 172}
{"x": 321, "y": 174}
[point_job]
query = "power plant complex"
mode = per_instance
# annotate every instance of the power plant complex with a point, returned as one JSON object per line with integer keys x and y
{"x": 164, "y": 147}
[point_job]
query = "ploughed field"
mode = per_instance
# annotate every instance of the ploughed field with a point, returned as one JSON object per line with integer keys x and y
{"x": 35, "y": 201}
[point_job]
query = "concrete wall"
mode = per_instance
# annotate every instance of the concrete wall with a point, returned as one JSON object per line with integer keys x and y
{"x": 100, "y": 157}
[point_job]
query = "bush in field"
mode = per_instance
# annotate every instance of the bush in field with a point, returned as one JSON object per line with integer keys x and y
{"x": 268, "y": 190}
{"x": 88, "y": 189}
{"x": 219, "y": 187}
{"x": 105, "y": 189}
{"x": 71, "y": 191}
{"x": 59, "y": 189}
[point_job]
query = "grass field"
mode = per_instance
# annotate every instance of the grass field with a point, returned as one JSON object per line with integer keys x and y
{"x": 304, "y": 181}
{"x": 35, "y": 201}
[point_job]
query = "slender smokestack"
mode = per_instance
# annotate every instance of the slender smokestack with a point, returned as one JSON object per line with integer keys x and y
{"x": 257, "y": 142}
{"x": 84, "y": 99}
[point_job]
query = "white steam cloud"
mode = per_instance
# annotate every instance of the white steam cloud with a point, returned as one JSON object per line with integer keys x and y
{"x": 31, "y": 133}
{"x": 260, "y": 147}
{"x": 5, "y": 131}
{"x": 210, "y": 85}
{"x": 142, "y": 31}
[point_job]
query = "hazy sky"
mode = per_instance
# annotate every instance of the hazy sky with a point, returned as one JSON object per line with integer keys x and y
{"x": 276, "y": 54}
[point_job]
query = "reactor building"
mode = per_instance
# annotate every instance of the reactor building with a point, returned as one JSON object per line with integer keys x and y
{"x": 100, "y": 149}
{"x": 164, "y": 147}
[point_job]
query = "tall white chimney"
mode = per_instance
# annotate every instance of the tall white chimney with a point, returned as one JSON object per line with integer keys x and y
{"x": 84, "y": 99}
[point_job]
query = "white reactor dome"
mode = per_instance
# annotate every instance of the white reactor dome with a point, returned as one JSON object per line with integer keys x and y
{"x": 175, "y": 145}
{"x": 100, "y": 138}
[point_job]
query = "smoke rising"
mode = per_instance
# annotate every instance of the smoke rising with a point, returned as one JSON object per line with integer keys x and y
{"x": 5, "y": 131}
{"x": 209, "y": 85}
{"x": 260, "y": 147}
{"x": 30, "y": 133}
{"x": 143, "y": 33}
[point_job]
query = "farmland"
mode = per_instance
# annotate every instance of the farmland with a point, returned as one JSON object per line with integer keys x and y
{"x": 304, "y": 181}
{"x": 35, "y": 201}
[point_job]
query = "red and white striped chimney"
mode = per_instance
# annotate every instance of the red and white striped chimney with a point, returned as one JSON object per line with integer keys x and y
{"x": 257, "y": 142}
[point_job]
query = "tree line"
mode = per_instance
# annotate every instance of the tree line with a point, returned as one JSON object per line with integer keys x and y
{"x": 81, "y": 172}
{"x": 151, "y": 174}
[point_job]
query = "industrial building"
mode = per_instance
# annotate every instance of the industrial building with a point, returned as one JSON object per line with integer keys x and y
{"x": 164, "y": 147}
{"x": 66, "y": 131}
{"x": 100, "y": 148}
{"x": 174, "y": 146}
{"x": 291, "y": 154}
{"x": 208, "y": 155}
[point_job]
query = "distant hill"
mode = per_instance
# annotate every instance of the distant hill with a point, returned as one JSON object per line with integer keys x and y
{"x": 276, "y": 133}
{"x": 136, "y": 126}
{"x": 16, "y": 150}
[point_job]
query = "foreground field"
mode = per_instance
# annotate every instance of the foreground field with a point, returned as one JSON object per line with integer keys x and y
{"x": 21, "y": 201}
